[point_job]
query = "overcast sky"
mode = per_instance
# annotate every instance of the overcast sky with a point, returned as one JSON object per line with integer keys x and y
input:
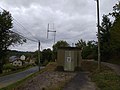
{"x": 73, "y": 20}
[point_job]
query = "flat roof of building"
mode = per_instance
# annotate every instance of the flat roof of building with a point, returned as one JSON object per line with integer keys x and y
{"x": 69, "y": 48}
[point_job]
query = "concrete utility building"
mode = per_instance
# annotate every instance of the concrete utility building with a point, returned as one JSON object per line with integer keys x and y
{"x": 69, "y": 58}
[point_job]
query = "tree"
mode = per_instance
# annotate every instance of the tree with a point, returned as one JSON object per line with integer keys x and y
{"x": 116, "y": 25}
{"x": 115, "y": 36}
{"x": 110, "y": 34}
{"x": 60, "y": 43}
{"x": 81, "y": 44}
{"x": 88, "y": 49}
{"x": 116, "y": 11}
{"x": 115, "y": 30}
{"x": 7, "y": 37}
{"x": 35, "y": 55}
{"x": 105, "y": 37}
{"x": 46, "y": 55}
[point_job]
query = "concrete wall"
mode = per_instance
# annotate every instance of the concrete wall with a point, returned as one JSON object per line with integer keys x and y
{"x": 60, "y": 57}
{"x": 76, "y": 54}
{"x": 17, "y": 63}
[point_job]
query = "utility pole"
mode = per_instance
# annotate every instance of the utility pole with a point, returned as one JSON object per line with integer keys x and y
{"x": 98, "y": 22}
{"x": 39, "y": 55}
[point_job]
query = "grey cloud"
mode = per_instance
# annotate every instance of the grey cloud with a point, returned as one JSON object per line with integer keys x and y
{"x": 73, "y": 19}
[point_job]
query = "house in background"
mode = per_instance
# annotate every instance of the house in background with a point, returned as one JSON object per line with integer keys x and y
{"x": 69, "y": 58}
{"x": 23, "y": 57}
{"x": 15, "y": 61}
{"x": 30, "y": 61}
{"x": 12, "y": 58}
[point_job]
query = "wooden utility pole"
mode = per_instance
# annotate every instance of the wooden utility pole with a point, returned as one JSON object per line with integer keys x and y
{"x": 98, "y": 20}
{"x": 39, "y": 55}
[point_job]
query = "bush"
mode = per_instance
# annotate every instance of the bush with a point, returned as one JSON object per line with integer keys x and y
{"x": 45, "y": 63}
{"x": 8, "y": 66}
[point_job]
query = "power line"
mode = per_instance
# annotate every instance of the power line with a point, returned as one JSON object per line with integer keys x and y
{"x": 22, "y": 31}
{"x": 25, "y": 28}
{"x": 19, "y": 24}
{"x": 19, "y": 33}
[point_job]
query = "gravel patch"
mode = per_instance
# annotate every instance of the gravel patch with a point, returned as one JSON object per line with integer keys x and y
{"x": 47, "y": 81}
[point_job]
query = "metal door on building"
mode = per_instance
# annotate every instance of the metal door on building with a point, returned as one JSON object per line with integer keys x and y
{"x": 69, "y": 61}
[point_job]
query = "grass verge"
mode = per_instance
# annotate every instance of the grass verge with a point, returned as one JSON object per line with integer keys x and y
{"x": 106, "y": 79}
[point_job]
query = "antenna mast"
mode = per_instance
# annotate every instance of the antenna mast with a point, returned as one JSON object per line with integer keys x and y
{"x": 51, "y": 30}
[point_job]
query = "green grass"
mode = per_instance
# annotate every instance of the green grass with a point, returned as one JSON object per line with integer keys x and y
{"x": 105, "y": 79}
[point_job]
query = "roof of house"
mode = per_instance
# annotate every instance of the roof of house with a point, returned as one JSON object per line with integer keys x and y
{"x": 13, "y": 58}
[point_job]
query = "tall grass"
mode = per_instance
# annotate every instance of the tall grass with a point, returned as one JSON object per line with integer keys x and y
{"x": 105, "y": 79}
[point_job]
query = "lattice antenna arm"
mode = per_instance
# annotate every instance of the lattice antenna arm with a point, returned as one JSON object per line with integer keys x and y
{"x": 47, "y": 30}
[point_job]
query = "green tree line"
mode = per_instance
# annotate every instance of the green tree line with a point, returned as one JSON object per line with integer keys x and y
{"x": 110, "y": 35}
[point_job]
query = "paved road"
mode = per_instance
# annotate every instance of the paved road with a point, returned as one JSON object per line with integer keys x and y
{"x": 80, "y": 82}
{"x": 9, "y": 79}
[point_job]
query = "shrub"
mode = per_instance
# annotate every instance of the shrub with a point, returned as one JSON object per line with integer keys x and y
{"x": 7, "y": 66}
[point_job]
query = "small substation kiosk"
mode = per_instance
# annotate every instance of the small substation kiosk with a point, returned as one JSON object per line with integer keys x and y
{"x": 69, "y": 58}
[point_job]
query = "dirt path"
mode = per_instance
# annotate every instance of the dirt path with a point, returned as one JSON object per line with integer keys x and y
{"x": 80, "y": 82}
{"x": 116, "y": 68}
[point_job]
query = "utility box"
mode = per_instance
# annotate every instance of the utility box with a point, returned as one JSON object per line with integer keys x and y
{"x": 69, "y": 58}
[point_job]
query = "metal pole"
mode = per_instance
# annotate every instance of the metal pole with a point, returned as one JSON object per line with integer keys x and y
{"x": 99, "y": 61}
{"x": 54, "y": 33}
{"x": 54, "y": 36}
{"x": 39, "y": 55}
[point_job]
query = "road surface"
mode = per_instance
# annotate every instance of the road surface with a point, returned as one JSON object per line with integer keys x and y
{"x": 9, "y": 79}
{"x": 80, "y": 82}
